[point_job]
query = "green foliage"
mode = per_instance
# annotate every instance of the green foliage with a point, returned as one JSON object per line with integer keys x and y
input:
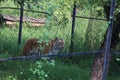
{"x": 11, "y": 12}
{"x": 54, "y": 70}
{"x": 38, "y": 72}
{"x": 66, "y": 71}
{"x": 7, "y": 41}
{"x": 59, "y": 11}
{"x": 10, "y": 77}
{"x": 9, "y": 46}
{"x": 87, "y": 38}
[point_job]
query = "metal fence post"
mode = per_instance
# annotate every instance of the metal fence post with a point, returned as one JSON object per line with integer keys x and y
{"x": 20, "y": 23}
{"x": 73, "y": 28}
{"x": 108, "y": 40}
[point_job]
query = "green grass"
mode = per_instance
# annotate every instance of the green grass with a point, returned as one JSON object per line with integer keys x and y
{"x": 74, "y": 68}
{"x": 64, "y": 69}
{"x": 87, "y": 38}
{"x": 21, "y": 70}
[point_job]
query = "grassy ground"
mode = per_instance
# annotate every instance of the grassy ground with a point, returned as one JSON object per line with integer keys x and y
{"x": 61, "y": 71}
{"x": 73, "y": 68}
{"x": 88, "y": 37}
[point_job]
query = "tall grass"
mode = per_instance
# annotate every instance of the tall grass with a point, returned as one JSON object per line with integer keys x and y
{"x": 9, "y": 47}
{"x": 9, "y": 36}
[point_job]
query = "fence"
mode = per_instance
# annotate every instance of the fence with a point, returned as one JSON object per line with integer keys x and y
{"x": 90, "y": 38}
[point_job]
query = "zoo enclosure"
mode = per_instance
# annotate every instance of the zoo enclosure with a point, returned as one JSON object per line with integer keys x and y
{"x": 107, "y": 49}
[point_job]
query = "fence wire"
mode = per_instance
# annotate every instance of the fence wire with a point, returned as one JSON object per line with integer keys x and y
{"x": 88, "y": 40}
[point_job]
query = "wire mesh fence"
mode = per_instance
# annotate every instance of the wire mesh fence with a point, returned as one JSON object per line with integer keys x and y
{"x": 89, "y": 32}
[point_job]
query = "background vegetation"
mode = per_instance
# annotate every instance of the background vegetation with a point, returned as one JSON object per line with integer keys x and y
{"x": 88, "y": 37}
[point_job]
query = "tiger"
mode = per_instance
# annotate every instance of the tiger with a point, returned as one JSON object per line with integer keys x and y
{"x": 33, "y": 47}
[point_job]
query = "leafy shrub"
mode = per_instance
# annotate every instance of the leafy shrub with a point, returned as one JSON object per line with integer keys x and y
{"x": 38, "y": 71}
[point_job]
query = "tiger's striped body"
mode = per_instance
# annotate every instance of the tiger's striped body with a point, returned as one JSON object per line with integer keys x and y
{"x": 32, "y": 46}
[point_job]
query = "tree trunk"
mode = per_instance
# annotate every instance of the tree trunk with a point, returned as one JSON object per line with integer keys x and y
{"x": 97, "y": 68}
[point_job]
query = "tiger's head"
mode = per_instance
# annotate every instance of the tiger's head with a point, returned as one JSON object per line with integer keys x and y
{"x": 58, "y": 45}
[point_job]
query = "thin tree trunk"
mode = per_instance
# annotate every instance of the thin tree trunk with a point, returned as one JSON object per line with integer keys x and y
{"x": 97, "y": 68}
